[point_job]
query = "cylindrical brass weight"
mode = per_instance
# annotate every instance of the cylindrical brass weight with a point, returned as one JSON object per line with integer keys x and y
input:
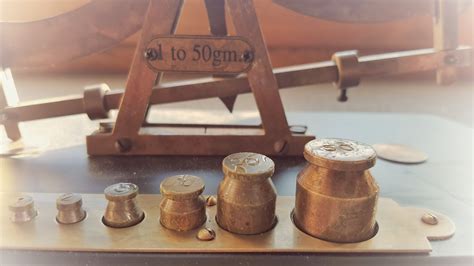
{"x": 336, "y": 196}
{"x": 246, "y": 197}
{"x": 70, "y": 209}
{"x": 182, "y": 207}
{"x": 122, "y": 209}
{"x": 22, "y": 209}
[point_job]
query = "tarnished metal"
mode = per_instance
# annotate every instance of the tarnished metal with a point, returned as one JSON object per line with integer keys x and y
{"x": 22, "y": 209}
{"x": 336, "y": 196}
{"x": 206, "y": 234}
{"x": 401, "y": 231}
{"x": 182, "y": 207}
{"x": 347, "y": 63}
{"x": 122, "y": 209}
{"x": 199, "y": 54}
{"x": 246, "y": 197}
{"x": 70, "y": 209}
{"x": 94, "y": 102}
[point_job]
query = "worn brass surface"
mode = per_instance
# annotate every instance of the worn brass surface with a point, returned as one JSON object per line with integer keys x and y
{"x": 122, "y": 209}
{"x": 22, "y": 209}
{"x": 70, "y": 209}
{"x": 336, "y": 196}
{"x": 400, "y": 231}
{"x": 182, "y": 207}
{"x": 246, "y": 197}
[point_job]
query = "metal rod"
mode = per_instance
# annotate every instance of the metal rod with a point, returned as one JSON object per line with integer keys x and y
{"x": 293, "y": 76}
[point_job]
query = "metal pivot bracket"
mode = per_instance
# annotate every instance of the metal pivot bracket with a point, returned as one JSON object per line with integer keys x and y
{"x": 400, "y": 230}
{"x": 128, "y": 135}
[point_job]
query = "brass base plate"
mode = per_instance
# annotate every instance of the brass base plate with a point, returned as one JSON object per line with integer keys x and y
{"x": 400, "y": 231}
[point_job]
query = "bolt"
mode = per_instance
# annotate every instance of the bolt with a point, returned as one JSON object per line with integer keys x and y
{"x": 206, "y": 234}
{"x": 211, "y": 201}
{"x": 151, "y": 54}
{"x": 281, "y": 146}
{"x": 247, "y": 56}
{"x": 343, "y": 96}
{"x": 123, "y": 145}
{"x": 450, "y": 59}
{"x": 429, "y": 218}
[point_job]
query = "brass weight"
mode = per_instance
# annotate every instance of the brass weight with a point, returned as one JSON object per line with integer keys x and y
{"x": 70, "y": 209}
{"x": 182, "y": 207}
{"x": 246, "y": 197}
{"x": 336, "y": 196}
{"x": 122, "y": 209}
{"x": 22, "y": 209}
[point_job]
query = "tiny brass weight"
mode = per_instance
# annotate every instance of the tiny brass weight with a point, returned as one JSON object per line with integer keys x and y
{"x": 22, "y": 209}
{"x": 246, "y": 197}
{"x": 183, "y": 207}
{"x": 70, "y": 209}
{"x": 336, "y": 196}
{"x": 122, "y": 209}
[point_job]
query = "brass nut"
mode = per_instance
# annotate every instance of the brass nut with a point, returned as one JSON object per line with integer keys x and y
{"x": 336, "y": 196}
{"x": 182, "y": 207}
{"x": 206, "y": 234}
{"x": 211, "y": 201}
{"x": 70, "y": 209}
{"x": 22, "y": 209}
{"x": 246, "y": 196}
{"x": 429, "y": 218}
{"x": 122, "y": 209}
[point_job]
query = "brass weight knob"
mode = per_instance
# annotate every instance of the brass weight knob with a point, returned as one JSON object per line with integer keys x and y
{"x": 122, "y": 209}
{"x": 246, "y": 197}
{"x": 22, "y": 209}
{"x": 182, "y": 207}
{"x": 336, "y": 196}
{"x": 70, "y": 209}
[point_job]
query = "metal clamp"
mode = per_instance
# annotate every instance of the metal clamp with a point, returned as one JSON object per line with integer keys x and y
{"x": 347, "y": 63}
{"x": 94, "y": 103}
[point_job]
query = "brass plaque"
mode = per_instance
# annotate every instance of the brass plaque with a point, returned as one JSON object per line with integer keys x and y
{"x": 401, "y": 230}
{"x": 199, "y": 54}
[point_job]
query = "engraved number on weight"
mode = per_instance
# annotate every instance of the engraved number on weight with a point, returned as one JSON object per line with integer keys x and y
{"x": 184, "y": 181}
{"x": 241, "y": 163}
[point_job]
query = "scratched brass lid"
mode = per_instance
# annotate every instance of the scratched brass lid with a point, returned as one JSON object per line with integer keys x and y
{"x": 21, "y": 203}
{"x": 69, "y": 201}
{"x": 248, "y": 166}
{"x": 340, "y": 154}
{"x": 182, "y": 187}
{"x": 121, "y": 191}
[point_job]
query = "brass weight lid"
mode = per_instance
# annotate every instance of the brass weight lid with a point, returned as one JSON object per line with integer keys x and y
{"x": 121, "y": 191}
{"x": 181, "y": 187}
{"x": 248, "y": 166}
{"x": 340, "y": 154}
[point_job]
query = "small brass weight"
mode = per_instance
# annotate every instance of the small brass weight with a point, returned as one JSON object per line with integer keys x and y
{"x": 336, "y": 196}
{"x": 246, "y": 198}
{"x": 182, "y": 207}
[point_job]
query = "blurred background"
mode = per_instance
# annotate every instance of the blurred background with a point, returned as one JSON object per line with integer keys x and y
{"x": 292, "y": 39}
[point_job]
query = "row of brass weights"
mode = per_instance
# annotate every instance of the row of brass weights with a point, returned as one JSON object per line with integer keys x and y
{"x": 336, "y": 196}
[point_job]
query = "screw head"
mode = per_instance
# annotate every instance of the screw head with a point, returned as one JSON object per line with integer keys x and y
{"x": 281, "y": 146}
{"x": 450, "y": 59}
{"x": 150, "y": 54}
{"x": 123, "y": 145}
{"x": 429, "y": 218}
{"x": 206, "y": 234}
{"x": 211, "y": 201}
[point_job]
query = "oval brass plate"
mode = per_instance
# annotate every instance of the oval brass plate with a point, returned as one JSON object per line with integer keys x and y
{"x": 199, "y": 54}
{"x": 399, "y": 153}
